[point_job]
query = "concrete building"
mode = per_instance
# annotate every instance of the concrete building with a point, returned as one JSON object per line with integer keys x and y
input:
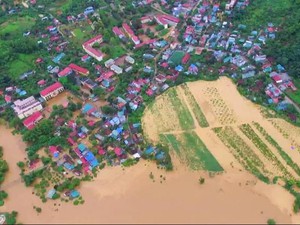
{"x": 26, "y": 107}
{"x": 116, "y": 69}
{"x": 52, "y": 91}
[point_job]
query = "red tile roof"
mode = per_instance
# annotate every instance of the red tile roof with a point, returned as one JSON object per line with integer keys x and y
{"x": 65, "y": 72}
{"x": 117, "y": 31}
{"x": 30, "y": 121}
{"x": 118, "y": 151}
{"x": 98, "y": 38}
{"x": 186, "y": 58}
{"x": 171, "y": 18}
{"x": 128, "y": 29}
{"x": 79, "y": 69}
{"x": 51, "y": 88}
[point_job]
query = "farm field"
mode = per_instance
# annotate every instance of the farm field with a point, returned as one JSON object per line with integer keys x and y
{"x": 16, "y": 25}
{"x": 209, "y": 126}
{"x": 176, "y": 57}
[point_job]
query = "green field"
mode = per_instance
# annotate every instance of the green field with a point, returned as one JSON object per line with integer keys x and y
{"x": 176, "y": 57}
{"x": 201, "y": 119}
{"x": 17, "y": 25}
{"x": 190, "y": 149}
{"x": 79, "y": 34}
{"x": 163, "y": 32}
{"x": 185, "y": 118}
{"x": 21, "y": 65}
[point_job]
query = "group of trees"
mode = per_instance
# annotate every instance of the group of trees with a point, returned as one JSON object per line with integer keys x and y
{"x": 285, "y": 48}
{"x": 3, "y": 170}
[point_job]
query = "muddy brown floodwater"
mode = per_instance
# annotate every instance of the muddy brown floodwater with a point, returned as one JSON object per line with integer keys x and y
{"x": 130, "y": 196}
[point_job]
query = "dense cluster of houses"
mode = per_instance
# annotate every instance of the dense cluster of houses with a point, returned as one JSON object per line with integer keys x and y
{"x": 117, "y": 140}
{"x": 241, "y": 54}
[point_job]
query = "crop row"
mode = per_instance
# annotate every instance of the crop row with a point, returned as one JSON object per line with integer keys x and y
{"x": 242, "y": 152}
{"x": 185, "y": 118}
{"x": 263, "y": 148}
{"x": 282, "y": 153}
{"x": 195, "y": 107}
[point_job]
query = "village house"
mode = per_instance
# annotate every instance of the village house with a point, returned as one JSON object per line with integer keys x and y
{"x": 116, "y": 69}
{"x": 52, "y": 91}
{"x": 118, "y": 32}
{"x": 26, "y": 107}
{"x": 65, "y": 72}
{"x": 129, "y": 59}
{"x": 109, "y": 63}
{"x": 88, "y": 47}
{"x": 79, "y": 69}
{"x": 166, "y": 20}
{"x": 131, "y": 34}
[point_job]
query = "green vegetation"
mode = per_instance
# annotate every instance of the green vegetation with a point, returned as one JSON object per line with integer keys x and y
{"x": 170, "y": 139}
{"x": 260, "y": 145}
{"x": 37, "y": 209}
{"x": 201, "y": 180}
{"x": 11, "y": 218}
{"x": 176, "y": 57}
{"x": 193, "y": 151}
{"x": 282, "y": 153}
{"x": 195, "y": 107}
{"x": 129, "y": 162}
{"x": 284, "y": 13}
{"x": 21, "y": 64}
{"x": 242, "y": 152}
{"x": 163, "y": 32}
{"x": 3, "y": 171}
{"x": 271, "y": 222}
{"x": 16, "y": 25}
{"x": 185, "y": 118}
{"x": 295, "y": 95}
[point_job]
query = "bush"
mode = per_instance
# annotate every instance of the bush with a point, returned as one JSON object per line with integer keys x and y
{"x": 38, "y": 209}
{"x": 21, "y": 165}
{"x": 271, "y": 221}
{"x": 201, "y": 180}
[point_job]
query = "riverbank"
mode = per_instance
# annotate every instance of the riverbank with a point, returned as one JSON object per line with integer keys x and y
{"x": 130, "y": 196}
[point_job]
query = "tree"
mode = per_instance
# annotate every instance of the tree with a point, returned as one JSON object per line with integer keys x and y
{"x": 21, "y": 165}
{"x": 201, "y": 180}
{"x": 108, "y": 109}
{"x": 100, "y": 92}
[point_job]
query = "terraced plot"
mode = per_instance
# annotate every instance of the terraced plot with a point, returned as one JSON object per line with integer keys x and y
{"x": 289, "y": 131}
{"x": 265, "y": 150}
{"x": 210, "y": 126}
{"x": 282, "y": 153}
{"x": 242, "y": 152}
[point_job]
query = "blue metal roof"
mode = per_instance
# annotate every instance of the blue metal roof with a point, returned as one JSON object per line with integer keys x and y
{"x": 81, "y": 147}
{"x": 89, "y": 156}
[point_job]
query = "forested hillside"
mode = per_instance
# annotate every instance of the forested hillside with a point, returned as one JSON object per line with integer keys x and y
{"x": 285, "y": 14}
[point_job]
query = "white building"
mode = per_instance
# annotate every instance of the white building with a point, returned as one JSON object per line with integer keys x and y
{"x": 26, "y": 107}
{"x": 109, "y": 63}
{"x": 129, "y": 59}
{"x": 116, "y": 69}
